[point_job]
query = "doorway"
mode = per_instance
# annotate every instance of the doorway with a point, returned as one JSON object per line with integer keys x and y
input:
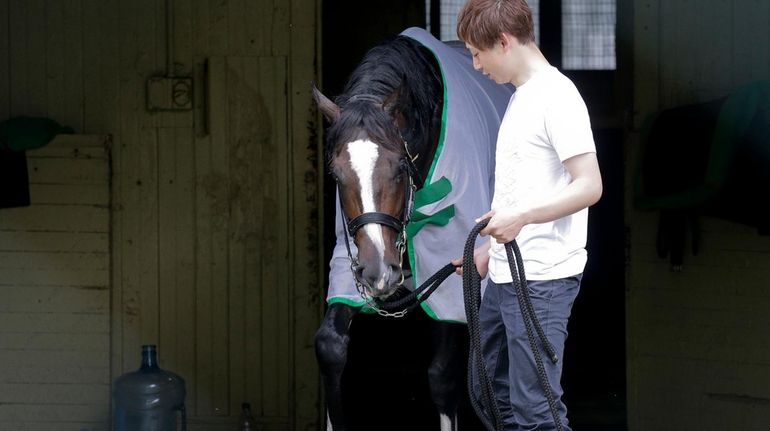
{"x": 594, "y": 374}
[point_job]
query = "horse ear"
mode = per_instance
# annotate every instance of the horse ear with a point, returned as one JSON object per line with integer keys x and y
{"x": 330, "y": 110}
{"x": 389, "y": 106}
{"x": 390, "y": 102}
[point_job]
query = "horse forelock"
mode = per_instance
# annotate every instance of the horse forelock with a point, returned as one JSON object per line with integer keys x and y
{"x": 363, "y": 120}
{"x": 401, "y": 73}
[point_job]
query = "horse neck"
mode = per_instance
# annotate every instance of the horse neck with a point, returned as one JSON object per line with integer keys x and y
{"x": 422, "y": 110}
{"x": 422, "y": 128}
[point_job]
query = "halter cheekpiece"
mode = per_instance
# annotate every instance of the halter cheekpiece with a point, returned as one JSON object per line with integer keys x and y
{"x": 399, "y": 225}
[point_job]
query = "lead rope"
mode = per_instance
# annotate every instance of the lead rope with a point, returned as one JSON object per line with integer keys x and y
{"x": 487, "y": 410}
{"x": 472, "y": 297}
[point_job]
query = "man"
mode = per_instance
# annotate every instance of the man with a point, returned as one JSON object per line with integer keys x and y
{"x": 546, "y": 176}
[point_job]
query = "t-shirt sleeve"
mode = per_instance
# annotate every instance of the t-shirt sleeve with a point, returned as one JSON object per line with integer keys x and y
{"x": 568, "y": 125}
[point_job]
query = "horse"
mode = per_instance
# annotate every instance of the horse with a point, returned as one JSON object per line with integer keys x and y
{"x": 389, "y": 151}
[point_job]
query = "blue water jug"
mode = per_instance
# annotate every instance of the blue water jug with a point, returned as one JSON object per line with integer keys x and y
{"x": 149, "y": 398}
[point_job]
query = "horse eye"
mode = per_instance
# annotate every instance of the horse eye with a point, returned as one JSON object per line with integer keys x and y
{"x": 334, "y": 172}
{"x": 334, "y": 176}
{"x": 399, "y": 175}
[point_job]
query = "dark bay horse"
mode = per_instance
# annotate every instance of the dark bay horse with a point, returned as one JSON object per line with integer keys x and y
{"x": 387, "y": 131}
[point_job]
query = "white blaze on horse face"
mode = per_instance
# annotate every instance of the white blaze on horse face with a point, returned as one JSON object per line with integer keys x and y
{"x": 363, "y": 157}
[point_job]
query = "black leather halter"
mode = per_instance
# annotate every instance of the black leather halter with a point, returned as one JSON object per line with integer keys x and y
{"x": 399, "y": 225}
{"x": 374, "y": 217}
{"x": 352, "y": 226}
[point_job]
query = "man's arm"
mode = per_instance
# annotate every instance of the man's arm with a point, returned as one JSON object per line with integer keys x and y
{"x": 584, "y": 190}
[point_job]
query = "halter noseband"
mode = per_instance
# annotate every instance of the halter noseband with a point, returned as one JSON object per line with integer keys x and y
{"x": 353, "y": 225}
{"x": 374, "y": 217}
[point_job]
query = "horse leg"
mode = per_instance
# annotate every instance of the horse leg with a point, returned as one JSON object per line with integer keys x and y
{"x": 445, "y": 373}
{"x": 331, "y": 347}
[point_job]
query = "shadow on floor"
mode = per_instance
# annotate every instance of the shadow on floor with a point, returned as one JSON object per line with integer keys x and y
{"x": 386, "y": 387}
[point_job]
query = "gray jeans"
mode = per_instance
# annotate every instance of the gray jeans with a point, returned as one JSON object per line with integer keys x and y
{"x": 508, "y": 356}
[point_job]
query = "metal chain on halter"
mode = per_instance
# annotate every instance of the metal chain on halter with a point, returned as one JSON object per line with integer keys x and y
{"x": 472, "y": 296}
{"x": 416, "y": 297}
{"x": 369, "y": 301}
{"x": 382, "y": 307}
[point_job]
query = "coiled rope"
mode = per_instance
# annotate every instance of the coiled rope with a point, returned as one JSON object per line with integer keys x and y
{"x": 485, "y": 406}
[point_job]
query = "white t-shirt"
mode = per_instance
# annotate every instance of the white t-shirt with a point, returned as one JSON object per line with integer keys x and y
{"x": 545, "y": 124}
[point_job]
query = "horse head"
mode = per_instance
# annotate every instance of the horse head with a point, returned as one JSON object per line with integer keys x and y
{"x": 370, "y": 162}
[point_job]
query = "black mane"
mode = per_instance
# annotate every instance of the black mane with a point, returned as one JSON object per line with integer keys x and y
{"x": 404, "y": 77}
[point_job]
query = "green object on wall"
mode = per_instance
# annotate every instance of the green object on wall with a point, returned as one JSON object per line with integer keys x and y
{"x": 27, "y": 133}
{"x": 17, "y": 135}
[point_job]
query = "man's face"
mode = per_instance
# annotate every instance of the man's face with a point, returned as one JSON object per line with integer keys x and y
{"x": 489, "y": 62}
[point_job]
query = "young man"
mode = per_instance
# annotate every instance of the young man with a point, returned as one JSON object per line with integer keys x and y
{"x": 546, "y": 176}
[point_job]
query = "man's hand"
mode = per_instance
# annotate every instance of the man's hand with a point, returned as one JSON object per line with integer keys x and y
{"x": 480, "y": 258}
{"x": 504, "y": 224}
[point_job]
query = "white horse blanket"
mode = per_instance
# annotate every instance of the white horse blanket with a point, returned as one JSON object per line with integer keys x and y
{"x": 457, "y": 189}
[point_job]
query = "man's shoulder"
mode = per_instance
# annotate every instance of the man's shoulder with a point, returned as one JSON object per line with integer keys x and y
{"x": 556, "y": 82}
{"x": 557, "y": 90}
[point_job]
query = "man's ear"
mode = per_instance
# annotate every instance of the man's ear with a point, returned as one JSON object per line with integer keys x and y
{"x": 505, "y": 41}
{"x": 328, "y": 108}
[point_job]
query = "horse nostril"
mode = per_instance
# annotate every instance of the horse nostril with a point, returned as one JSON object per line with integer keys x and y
{"x": 395, "y": 276}
{"x": 379, "y": 279}
{"x": 368, "y": 276}
{"x": 359, "y": 271}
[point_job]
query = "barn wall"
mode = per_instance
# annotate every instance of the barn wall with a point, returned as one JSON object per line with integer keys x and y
{"x": 214, "y": 228}
{"x": 55, "y": 284}
{"x": 697, "y": 339}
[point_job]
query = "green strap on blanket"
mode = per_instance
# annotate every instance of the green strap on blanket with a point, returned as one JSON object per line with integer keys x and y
{"x": 427, "y": 195}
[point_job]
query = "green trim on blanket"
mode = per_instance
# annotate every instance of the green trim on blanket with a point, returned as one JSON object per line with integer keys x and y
{"x": 348, "y": 301}
{"x": 442, "y": 135}
{"x": 433, "y": 316}
{"x": 436, "y": 155}
{"x": 367, "y": 310}
{"x": 428, "y": 311}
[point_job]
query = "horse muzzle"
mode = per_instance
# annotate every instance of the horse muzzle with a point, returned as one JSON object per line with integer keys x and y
{"x": 380, "y": 280}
